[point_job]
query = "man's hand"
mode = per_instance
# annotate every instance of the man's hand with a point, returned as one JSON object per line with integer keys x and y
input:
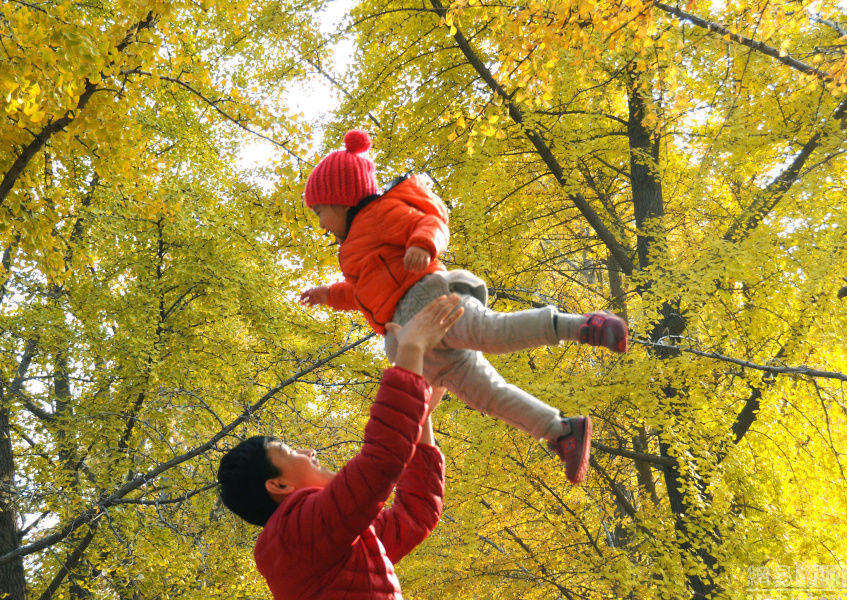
{"x": 315, "y": 295}
{"x": 424, "y": 331}
{"x": 416, "y": 259}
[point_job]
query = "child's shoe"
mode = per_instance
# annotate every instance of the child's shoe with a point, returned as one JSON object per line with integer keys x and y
{"x": 574, "y": 448}
{"x": 605, "y": 329}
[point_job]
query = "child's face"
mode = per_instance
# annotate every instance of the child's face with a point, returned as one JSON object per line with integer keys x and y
{"x": 333, "y": 219}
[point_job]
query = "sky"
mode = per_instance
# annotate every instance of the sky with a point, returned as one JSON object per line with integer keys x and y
{"x": 315, "y": 97}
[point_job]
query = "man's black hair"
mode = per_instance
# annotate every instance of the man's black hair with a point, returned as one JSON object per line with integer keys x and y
{"x": 242, "y": 474}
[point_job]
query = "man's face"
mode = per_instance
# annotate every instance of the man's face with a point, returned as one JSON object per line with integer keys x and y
{"x": 333, "y": 219}
{"x": 299, "y": 468}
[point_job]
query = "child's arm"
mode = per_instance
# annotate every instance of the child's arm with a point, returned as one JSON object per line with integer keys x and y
{"x": 430, "y": 236}
{"x": 314, "y": 296}
{"x": 416, "y": 259}
{"x": 428, "y": 240}
{"x": 338, "y": 296}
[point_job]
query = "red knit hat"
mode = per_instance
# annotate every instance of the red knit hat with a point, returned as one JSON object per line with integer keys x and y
{"x": 344, "y": 177}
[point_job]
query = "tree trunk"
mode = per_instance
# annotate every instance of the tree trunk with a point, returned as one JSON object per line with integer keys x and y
{"x": 649, "y": 208}
{"x": 12, "y": 580}
{"x": 644, "y": 177}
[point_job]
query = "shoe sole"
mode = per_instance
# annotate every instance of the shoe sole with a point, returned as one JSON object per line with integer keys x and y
{"x": 586, "y": 453}
{"x": 621, "y": 331}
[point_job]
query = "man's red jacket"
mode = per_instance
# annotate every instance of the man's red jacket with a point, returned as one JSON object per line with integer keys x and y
{"x": 339, "y": 541}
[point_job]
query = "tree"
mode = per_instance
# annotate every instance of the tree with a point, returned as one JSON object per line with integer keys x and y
{"x": 684, "y": 168}
{"x": 141, "y": 301}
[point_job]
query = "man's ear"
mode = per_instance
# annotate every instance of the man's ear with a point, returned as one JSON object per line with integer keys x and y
{"x": 278, "y": 488}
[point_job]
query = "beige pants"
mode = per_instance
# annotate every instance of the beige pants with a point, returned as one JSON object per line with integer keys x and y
{"x": 457, "y": 362}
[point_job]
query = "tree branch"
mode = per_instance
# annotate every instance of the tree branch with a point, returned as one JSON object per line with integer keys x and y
{"x": 105, "y": 501}
{"x": 745, "y": 41}
{"x": 33, "y": 407}
{"x": 70, "y": 563}
{"x": 620, "y": 496}
{"x": 340, "y": 88}
{"x": 801, "y": 370}
{"x": 664, "y": 461}
{"x": 615, "y": 248}
{"x": 8, "y": 256}
{"x": 767, "y": 200}
{"x": 41, "y": 139}
{"x": 215, "y": 105}
{"x": 182, "y": 498}
{"x": 54, "y": 127}
{"x": 30, "y": 351}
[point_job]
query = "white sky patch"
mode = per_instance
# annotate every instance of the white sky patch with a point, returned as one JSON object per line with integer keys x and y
{"x": 316, "y": 97}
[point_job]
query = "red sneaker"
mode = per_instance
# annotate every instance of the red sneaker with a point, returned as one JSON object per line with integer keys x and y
{"x": 574, "y": 448}
{"x": 605, "y": 329}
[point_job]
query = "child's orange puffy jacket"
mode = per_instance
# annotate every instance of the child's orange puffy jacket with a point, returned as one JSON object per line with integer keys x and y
{"x": 371, "y": 256}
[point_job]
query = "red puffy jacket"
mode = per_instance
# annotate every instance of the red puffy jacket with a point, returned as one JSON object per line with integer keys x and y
{"x": 371, "y": 256}
{"x": 339, "y": 541}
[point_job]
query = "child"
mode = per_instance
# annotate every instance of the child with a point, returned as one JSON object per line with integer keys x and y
{"x": 328, "y": 535}
{"x": 389, "y": 251}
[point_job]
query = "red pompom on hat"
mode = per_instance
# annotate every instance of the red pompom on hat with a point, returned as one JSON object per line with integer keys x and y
{"x": 343, "y": 177}
{"x": 357, "y": 141}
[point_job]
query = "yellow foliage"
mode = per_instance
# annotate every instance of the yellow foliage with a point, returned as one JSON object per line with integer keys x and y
{"x": 151, "y": 282}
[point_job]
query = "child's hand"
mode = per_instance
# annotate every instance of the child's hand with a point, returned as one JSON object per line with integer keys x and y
{"x": 315, "y": 295}
{"x": 416, "y": 259}
{"x": 424, "y": 331}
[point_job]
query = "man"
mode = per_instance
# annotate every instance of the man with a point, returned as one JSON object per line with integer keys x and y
{"x": 327, "y": 535}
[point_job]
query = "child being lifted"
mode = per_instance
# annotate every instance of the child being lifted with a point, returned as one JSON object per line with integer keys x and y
{"x": 389, "y": 249}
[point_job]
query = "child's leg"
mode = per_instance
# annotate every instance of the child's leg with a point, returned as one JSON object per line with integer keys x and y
{"x": 471, "y": 377}
{"x": 498, "y": 333}
{"x": 467, "y": 374}
{"x": 480, "y": 328}
{"x": 486, "y": 330}
{"x": 483, "y": 329}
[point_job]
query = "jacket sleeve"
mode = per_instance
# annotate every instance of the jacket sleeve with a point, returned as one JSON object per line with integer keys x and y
{"x": 430, "y": 233}
{"x": 417, "y": 506}
{"x": 341, "y": 296}
{"x": 327, "y": 522}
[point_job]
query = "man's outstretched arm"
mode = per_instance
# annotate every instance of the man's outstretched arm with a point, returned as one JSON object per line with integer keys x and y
{"x": 419, "y": 495}
{"x": 355, "y": 496}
